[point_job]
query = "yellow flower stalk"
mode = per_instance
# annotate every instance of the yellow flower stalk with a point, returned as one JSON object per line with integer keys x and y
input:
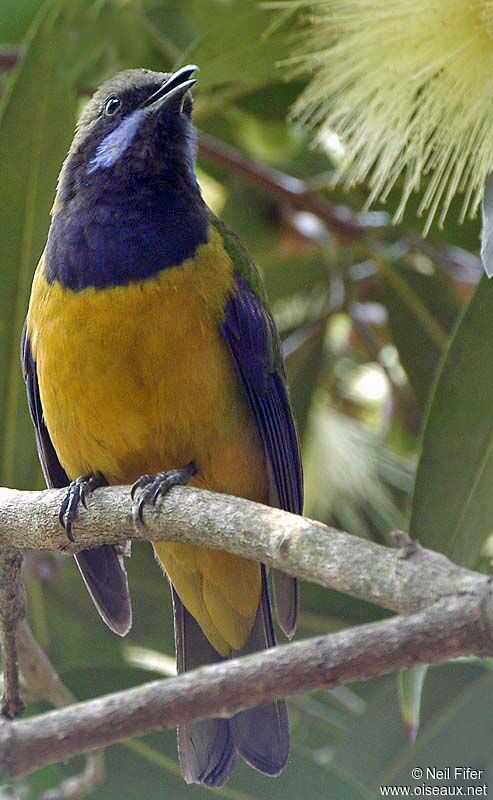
{"x": 408, "y": 87}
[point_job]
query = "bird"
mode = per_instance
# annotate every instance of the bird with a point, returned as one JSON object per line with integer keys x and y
{"x": 151, "y": 358}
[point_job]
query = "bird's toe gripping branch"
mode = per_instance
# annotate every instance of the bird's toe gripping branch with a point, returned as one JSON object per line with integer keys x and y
{"x": 150, "y": 487}
{"x": 77, "y": 493}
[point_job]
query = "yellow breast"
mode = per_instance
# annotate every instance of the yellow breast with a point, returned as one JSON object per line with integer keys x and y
{"x": 138, "y": 379}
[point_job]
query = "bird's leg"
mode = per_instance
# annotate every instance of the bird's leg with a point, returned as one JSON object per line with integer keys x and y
{"x": 153, "y": 486}
{"x": 77, "y": 493}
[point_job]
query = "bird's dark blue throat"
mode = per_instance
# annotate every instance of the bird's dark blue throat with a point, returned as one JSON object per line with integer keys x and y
{"x": 130, "y": 240}
{"x": 128, "y": 204}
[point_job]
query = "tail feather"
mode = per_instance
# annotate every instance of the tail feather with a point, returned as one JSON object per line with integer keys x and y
{"x": 208, "y": 749}
{"x": 205, "y": 747}
{"x": 261, "y": 734}
{"x": 106, "y": 579}
{"x": 286, "y": 600}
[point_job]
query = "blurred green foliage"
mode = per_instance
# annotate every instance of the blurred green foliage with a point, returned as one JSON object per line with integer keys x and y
{"x": 366, "y": 325}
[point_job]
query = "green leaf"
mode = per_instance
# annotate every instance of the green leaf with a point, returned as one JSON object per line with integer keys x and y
{"x": 303, "y": 351}
{"x": 153, "y": 756}
{"x": 31, "y": 156}
{"x": 15, "y": 18}
{"x": 453, "y": 503}
{"x": 233, "y": 43}
{"x": 410, "y": 684}
{"x": 422, "y": 310}
{"x": 376, "y": 751}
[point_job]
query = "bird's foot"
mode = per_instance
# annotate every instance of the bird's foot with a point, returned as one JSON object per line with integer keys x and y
{"x": 77, "y": 493}
{"x": 151, "y": 487}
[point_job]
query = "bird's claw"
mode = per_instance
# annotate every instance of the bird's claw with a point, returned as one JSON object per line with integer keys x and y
{"x": 77, "y": 493}
{"x": 141, "y": 483}
{"x": 151, "y": 487}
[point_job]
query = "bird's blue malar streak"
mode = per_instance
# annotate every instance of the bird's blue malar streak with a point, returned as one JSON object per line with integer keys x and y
{"x": 114, "y": 145}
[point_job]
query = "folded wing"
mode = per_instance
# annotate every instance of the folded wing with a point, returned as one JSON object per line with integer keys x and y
{"x": 102, "y": 568}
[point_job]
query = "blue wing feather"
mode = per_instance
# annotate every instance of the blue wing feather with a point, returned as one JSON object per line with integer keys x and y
{"x": 251, "y": 336}
{"x": 102, "y": 568}
{"x": 254, "y": 344}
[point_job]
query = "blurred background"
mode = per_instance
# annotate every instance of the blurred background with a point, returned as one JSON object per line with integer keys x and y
{"x": 366, "y": 312}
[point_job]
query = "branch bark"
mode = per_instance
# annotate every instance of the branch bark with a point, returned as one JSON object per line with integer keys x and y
{"x": 456, "y": 626}
{"x": 341, "y": 220}
{"x": 448, "y": 611}
{"x": 44, "y": 683}
{"x": 12, "y": 611}
{"x": 296, "y": 545}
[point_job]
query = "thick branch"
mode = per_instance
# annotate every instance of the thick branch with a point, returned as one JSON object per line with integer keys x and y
{"x": 391, "y": 578}
{"x": 456, "y": 626}
{"x": 455, "y": 616}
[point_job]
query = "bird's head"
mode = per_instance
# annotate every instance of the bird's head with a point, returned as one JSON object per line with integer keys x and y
{"x": 137, "y": 126}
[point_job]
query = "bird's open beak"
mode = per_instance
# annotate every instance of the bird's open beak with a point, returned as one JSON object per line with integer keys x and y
{"x": 173, "y": 89}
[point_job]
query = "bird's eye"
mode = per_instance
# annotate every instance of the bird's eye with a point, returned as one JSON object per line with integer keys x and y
{"x": 112, "y": 105}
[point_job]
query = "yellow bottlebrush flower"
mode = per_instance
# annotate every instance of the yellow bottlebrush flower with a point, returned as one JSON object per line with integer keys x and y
{"x": 408, "y": 87}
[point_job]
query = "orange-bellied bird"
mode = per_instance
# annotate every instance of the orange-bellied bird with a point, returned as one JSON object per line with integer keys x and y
{"x": 149, "y": 350}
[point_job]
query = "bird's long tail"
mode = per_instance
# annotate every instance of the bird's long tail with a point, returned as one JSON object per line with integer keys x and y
{"x": 208, "y": 749}
{"x": 106, "y": 579}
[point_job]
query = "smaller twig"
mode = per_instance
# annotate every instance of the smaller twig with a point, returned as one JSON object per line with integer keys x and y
{"x": 12, "y": 611}
{"x": 9, "y": 58}
{"x": 38, "y": 673}
{"x": 455, "y": 261}
{"x": 44, "y": 683}
{"x": 342, "y": 221}
{"x": 78, "y": 786}
{"x": 408, "y": 547}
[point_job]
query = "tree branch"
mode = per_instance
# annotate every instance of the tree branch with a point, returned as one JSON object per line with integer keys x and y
{"x": 342, "y": 221}
{"x": 44, "y": 683}
{"x": 456, "y": 626}
{"x": 449, "y": 613}
{"x": 339, "y": 219}
{"x": 402, "y": 580}
{"x": 12, "y": 611}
